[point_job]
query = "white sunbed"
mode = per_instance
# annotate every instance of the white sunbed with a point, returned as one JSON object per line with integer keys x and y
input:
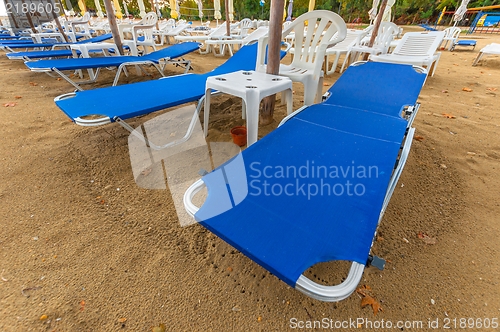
{"x": 491, "y": 49}
{"x": 415, "y": 48}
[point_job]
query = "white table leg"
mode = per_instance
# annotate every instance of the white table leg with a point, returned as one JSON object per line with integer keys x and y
{"x": 252, "y": 113}
{"x": 206, "y": 111}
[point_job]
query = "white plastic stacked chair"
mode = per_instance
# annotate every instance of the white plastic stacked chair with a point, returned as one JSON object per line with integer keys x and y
{"x": 309, "y": 51}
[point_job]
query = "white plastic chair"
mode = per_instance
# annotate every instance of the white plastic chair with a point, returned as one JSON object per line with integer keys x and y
{"x": 231, "y": 44}
{"x": 415, "y": 48}
{"x": 143, "y": 29}
{"x": 353, "y": 37}
{"x": 451, "y": 35}
{"x": 216, "y": 34}
{"x": 77, "y": 28}
{"x": 243, "y": 27}
{"x": 167, "y": 30}
{"x": 309, "y": 51}
{"x": 386, "y": 33}
{"x": 492, "y": 49}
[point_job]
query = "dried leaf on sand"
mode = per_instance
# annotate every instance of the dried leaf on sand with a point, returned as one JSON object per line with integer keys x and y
{"x": 426, "y": 238}
{"x": 367, "y": 299}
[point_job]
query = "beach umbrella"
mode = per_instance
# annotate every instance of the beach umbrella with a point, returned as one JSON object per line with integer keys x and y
{"x": 230, "y": 10}
{"x": 217, "y": 14}
{"x": 70, "y": 7}
{"x": 373, "y": 11}
{"x": 388, "y": 12}
{"x": 98, "y": 8}
{"x": 460, "y": 12}
{"x": 118, "y": 10}
{"x": 312, "y": 3}
{"x": 284, "y": 11}
{"x": 142, "y": 9}
{"x": 200, "y": 9}
{"x": 173, "y": 9}
{"x": 81, "y": 5}
{"x": 290, "y": 8}
{"x": 441, "y": 16}
{"x": 125, "y": 8}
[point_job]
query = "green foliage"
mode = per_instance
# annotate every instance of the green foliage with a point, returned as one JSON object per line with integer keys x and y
{"x": 404, "y": 11}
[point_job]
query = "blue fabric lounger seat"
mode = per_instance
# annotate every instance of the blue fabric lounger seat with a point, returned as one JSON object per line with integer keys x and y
{"x": 12, "y": 46}
{"x": 391, "y": 93}
{"x": 58, "y": 53}
{"x": 464, "y": 43}
{"x": 58, "y": 65}
{"x": 314, "y": 189}
{"x": 178, "y": 89}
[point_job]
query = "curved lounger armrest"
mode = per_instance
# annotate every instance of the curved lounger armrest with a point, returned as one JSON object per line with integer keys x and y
{"x": 80, "y": 121}
{"x": 332, "y": 293}
{"x": 305, "y": 285}
{"x": 189, "y": 194}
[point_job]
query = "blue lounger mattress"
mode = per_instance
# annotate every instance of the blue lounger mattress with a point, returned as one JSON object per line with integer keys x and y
{"x": 386, "y": 93}
{"x": 97, "y": 39}
{"x": 174, "y": 51}
{"x": 314, "y": 190}
{"x": 154, "y": 95}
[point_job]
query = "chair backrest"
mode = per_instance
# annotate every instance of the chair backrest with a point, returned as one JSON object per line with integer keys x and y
{"x": 352, "y": 38}
{"x": 245, "y": 25}
{"x": 310, "y": 50}
{"x": 146, "y": 28}
{"x": 452, "y": 33}
{"x": 419, "y": 43}
{"x": 255, "y": 35}
{"x": 386, "y": 33}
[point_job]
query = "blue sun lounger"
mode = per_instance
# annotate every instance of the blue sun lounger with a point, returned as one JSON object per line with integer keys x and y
{"x": 12, "y": 46}
{"x": 168, "y": 54}
{"x": 315, "y": 189}
{"x": 98, "y": 106}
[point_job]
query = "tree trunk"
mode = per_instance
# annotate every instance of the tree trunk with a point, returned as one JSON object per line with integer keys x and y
{"x": 113, "y": 26}
{"x": 273, "y": 58}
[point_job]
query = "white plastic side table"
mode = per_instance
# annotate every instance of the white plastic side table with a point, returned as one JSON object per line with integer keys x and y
{"x": 84, "y": 50}
{"x": 252, "y": 87}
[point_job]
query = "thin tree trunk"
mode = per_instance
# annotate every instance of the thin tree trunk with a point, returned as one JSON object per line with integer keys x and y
{"x": 273, "y": 58}
{"x": 113, "y": 26}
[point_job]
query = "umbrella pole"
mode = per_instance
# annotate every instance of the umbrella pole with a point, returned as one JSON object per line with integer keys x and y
{"x": 378, "y": 20}
{"x": 58, "y": 23}
{"x": 273, "y": 58}
{"x": 113, "y": 26}
{"x": 228, "y": 23}
{"x": 28, "y": 17}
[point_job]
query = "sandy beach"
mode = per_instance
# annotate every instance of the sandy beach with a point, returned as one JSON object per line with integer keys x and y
{"x": 83, "y": 248}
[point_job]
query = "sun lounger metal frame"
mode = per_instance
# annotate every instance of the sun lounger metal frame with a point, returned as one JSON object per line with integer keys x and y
{"x": 157, "y": 59}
